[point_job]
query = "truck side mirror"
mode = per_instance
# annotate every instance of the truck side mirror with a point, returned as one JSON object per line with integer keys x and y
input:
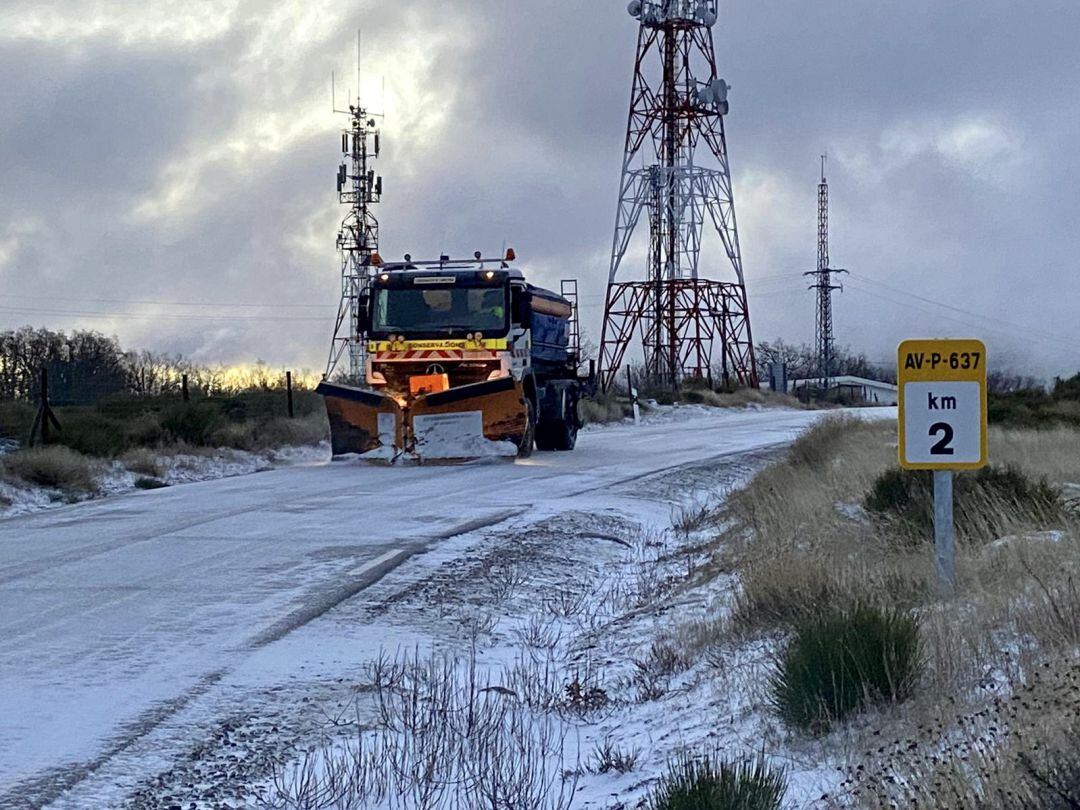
{"x": 363, "y": 314}
{"x": 521, "y": 307}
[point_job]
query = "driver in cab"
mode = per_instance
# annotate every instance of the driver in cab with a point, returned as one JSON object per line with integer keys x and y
{"x": 492, "y": 313}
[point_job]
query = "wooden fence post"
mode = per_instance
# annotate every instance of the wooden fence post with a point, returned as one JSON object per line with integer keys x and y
{"x": 184, "y": 392}
{"x": 45, "y": 420}
{"x": 288, "y": 391}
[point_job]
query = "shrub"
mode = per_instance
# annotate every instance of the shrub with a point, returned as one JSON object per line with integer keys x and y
{"x": 904, "y": 496}
{"x": 653, "y": 673}
{"x": 55, "y": 467}
{"x": 584, "y": 698}
{"x": 91, "y": 433}
{"x": 126, "y": 407}
{"x": 145, "y": 430}
{"x": 819, "y": 445}
{"x": 843, "y": 660}
{"x": 1067, "y": 389}
{"x": 986, "y": 502}
{"x": 282, "y": 432}
{"x": 702, "y": 396}
{"x": 713, "y": 783}
{"x": 603, "y": 409}
{"x": 150, "y": 483}
{"x": 16, "y": 418}
{"x": 270, "y": 404}
{"x": 608, "y": 757}
{"x": 268, "y": 433}
{"x": 734, "y": 397}
{"x": 1037, "y": 408}
{"x": 194, "y": 423}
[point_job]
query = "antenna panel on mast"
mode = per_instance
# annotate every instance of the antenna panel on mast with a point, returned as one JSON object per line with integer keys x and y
{"x": 358, "y": 238}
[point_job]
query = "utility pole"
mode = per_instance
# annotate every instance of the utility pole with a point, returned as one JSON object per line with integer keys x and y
{"x": 823, "y": 284}
{"x": 680, "y": 317}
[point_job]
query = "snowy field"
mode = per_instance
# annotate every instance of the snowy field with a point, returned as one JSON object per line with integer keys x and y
{"x": 179, "y": 647}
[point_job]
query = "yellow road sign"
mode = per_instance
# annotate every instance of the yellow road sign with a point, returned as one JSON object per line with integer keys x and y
{"x": 942, "y": 404}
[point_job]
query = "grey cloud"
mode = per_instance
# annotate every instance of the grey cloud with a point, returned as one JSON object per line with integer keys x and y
{"x": 536, "y": 99}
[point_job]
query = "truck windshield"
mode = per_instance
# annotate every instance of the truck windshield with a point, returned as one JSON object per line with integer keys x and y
{"x": 440, "y": 310}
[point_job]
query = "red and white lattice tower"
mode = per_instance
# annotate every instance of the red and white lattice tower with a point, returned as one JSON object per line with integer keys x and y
{"x": 687, "y": 322}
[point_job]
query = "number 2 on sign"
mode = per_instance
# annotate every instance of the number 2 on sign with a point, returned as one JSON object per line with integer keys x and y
{"x": 944, "y": 445}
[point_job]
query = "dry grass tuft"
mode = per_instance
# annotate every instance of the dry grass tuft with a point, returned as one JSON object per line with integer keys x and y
{"x": 1054, "y": 454}
{"x": 52, "y": 467}
{"x": 143, "y": 461}
{"x": 264, "y": 434}
{"x": 604, "y": 409}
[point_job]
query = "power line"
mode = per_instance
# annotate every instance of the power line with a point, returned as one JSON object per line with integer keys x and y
{"x": 1046, "y": 340}
{"x": 1021, "y": 327}
{"x": 137, "y": 302}
{"x": 970, "y": 319}
{"x": 152, "y": 316}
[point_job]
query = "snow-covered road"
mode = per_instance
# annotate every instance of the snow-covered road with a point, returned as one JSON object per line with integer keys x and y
{"x": 115, "y": 614}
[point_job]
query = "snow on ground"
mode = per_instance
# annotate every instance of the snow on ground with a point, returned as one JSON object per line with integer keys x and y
{"x": 114, "y": 478}
{"x": 584, "y": 600}
{"x": 24, "y": 500}
{"x": 658, "y": 414}
{"x": 175, "y": 468}
{"x": 563, "y": 569}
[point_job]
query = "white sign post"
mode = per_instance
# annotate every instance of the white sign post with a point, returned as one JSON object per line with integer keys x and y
{"x": 943, "y": 425}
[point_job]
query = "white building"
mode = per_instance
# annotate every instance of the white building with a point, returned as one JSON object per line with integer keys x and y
{"x": 872, "y": 392}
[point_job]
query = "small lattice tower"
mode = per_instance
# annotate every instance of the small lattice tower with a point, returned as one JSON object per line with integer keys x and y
{"x": 358, "y": 239}
{"x": 824, "y": 286}
{"x": 686, "y": 322}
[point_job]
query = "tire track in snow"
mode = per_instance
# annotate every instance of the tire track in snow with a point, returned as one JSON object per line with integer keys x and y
{"x": 40, "y": 790}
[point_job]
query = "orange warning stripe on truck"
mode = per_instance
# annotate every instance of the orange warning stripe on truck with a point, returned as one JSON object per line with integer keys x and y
{"x": 434, "y": 354}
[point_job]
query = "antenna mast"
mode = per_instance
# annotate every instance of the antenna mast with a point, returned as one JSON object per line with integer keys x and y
{"x": 358, "y": 239}
{"x": 677, "y": 103}
{"x": 823, "y": 284}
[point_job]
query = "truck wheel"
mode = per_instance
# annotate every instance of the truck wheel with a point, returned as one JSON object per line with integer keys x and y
{"x": 561, "y": 436}
{"x": 525, "y": 447}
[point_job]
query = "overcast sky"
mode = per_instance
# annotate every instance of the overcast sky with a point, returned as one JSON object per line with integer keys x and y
{"x": 168, "y": 166}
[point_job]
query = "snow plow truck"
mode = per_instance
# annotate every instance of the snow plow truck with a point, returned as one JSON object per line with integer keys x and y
{"x": 465, "y": 359}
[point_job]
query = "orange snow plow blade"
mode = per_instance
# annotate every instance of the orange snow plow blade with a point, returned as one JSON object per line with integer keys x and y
{"x": 363, "y": 422}
{"x": 488, "y": 419}
{"x": 474, "y": 421}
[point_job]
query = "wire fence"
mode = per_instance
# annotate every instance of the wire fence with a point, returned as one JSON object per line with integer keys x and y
{"x": 57, "y": 387}
{"x": 78, "y": 403}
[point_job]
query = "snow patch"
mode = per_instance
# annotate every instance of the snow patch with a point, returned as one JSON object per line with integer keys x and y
{"x": 1054, "y": 536}
{"x": 175, "y": 469}
{"x": 20, "y": 501}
